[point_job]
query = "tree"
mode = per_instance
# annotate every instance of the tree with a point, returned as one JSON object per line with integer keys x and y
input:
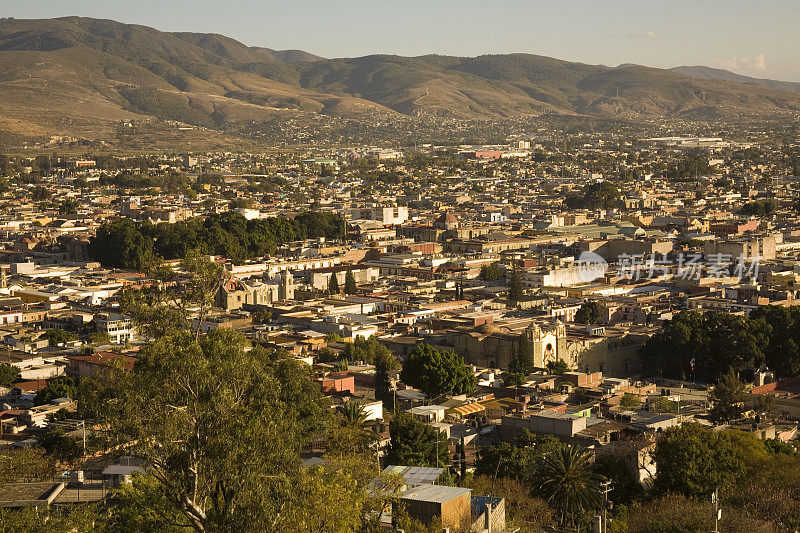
{"x": 519, "y": 460}
{"x": 591, "y": 312}
{"x": 524, "y": 511}
{"x": 384, "y": 364}
{"x": 26, "y": 464}
{"x": 63, "y": 387}
{"x": 8, "y": 374}
{"x": 491, "y": 272}
{"x": 522, "y": 362}
{"x": 603, "y": 195}
{"x": 515, "y": 287}
{"x": 437, "y": 372}
{"x": 333, "y": 285}
{"x": 704, "y": 346}
{"x": 693, "y": 460}
{"x": 557, "y": 367}
{"x": 60, "y": 446}
{"x": 221, "y": 428}
{"x": 352, "y": 434}
{"x": 630, "y": 401}
{"x": 415, "y": 443}
{"x": 57, "y": 337}
{"x": 728, "y": 397}
{"x": 679, "y": 514}
{"x": 68, "y": 207}
{"x": 568, "y": 482}
{"x": 350, "y": 283}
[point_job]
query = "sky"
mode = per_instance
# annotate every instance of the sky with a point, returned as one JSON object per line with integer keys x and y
{"x": 756, "y": 37}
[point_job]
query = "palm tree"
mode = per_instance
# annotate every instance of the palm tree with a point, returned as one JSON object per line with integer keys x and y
{"x": 355, "y": 433}
{"x": 567, "y": 480}
{"x": 353, "y": 415}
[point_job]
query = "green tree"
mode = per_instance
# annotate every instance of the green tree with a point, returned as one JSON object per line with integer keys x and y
{"x": 567, "y": 480}
{"x": 333, "y": 285}
{"x": 591, "y": 312}
{"x": 437, "y": 372}
{"x": 63, "y": 387}
{"x": 68, "y": 207}
{"x": 350, "y": 283}
{"x": 603, "y": 195}
{"x": 491, "y": 272}
{"x": 59, "y": 445}
{"x": 353, "y": 434}
{"x": 385, "y": 363}
{"x": 727, "y": 397}
{"x": 56, "y": 337}
{"x": 414, "y": 443}
{"x": 630, "y": 401}
{"x": 522, "y": 362}
{"x": 221, "y": 428}
{"x": 693, "y": 460}
{"x": 557, "y": 367}
{"x": 8, "y": 374}
{"x": 515, "y": 288}
{"x": 678, "y": 514}
{"x": 519, "y": 460}
{"x": 704, "y": 345}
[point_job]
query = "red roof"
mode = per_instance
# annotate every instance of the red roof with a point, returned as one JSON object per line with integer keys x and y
{"x": 31, "y": 386}
{"x": 791, "y": 385}
{"x": 104, "y": 359}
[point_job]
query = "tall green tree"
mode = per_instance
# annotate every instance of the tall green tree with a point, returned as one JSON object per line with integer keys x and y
{"x": 728, "y": 398}
{"x": 333, "y": 285}
{"x": 704, "y": 346}
{"x": 515, "y": 287}
{"x": 437, "y": 372}
{"x": 350, "y": 283}
{"x": 385, "y": 363}
{"x": 522, "y": 362}
{"x": 62, "y": 387}
{"x": 415, "y": 443}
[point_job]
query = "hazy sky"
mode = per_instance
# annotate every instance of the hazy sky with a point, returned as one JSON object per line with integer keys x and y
{"x": 756, "y": 37}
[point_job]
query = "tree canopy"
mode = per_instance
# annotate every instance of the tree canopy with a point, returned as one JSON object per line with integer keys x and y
{"x": 437, "y": 372}
{"x": 124, "y": 243}
{"x": 591, "y": 312}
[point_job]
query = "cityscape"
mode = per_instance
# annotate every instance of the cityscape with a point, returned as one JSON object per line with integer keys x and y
{"x": 249, "y": 289}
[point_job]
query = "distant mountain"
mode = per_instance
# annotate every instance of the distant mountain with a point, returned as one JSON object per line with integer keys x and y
{"x": 82, "y": 76}
{"x": 708, "y": 73}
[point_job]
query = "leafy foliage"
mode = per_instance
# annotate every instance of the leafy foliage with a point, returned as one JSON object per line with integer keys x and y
{"x": 437, "y": 372}
{"x": 123, "y": 243}
{"x": 415, "y": 443}
{"x": 715, "y": 341}
{"x": 8, "y": 374}
{"x": 694, "y": 460}
{"x": 602, "y": 195}
{"x": 591, "y": 312}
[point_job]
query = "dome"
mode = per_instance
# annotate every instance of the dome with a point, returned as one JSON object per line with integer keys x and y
{"x": 446, "y": 221}
{"x": 487, "y": 329}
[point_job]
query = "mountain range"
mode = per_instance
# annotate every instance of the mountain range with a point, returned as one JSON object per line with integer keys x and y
{"x": 83, "y": 76}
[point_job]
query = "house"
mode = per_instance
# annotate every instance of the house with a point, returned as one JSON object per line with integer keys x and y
{"x": 452, "y": 505}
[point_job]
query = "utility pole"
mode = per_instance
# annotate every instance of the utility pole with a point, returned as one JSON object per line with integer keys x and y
{"x": 717, "y": 510}
{"x": 83, "y": 426}
{"x": 605, "y": 488}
